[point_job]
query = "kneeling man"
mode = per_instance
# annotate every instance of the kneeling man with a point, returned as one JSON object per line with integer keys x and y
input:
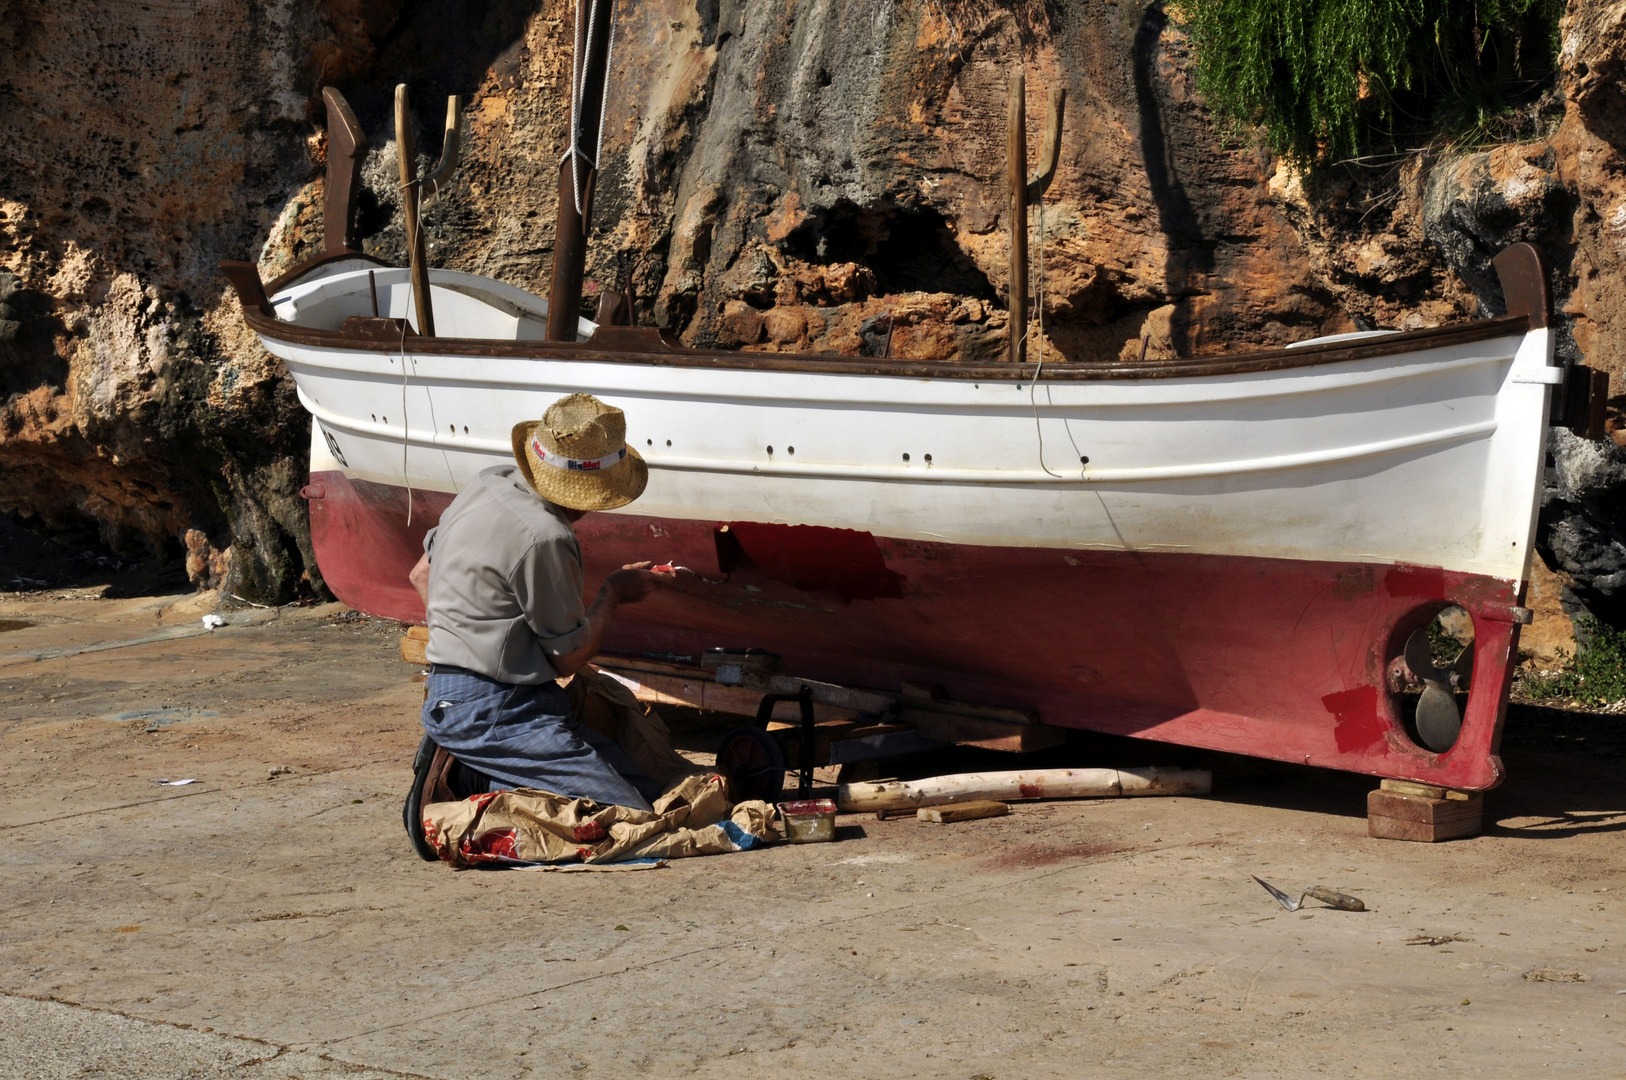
{"x": 501, "y": 577}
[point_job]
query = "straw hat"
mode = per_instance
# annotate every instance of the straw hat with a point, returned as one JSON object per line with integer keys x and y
{"x": 578, "y": 456}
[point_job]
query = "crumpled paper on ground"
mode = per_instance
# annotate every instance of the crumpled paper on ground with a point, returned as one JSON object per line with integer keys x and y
{"x": 530, "y": 826}
{"x": 527, "y": 825}
{"x": 603, "y": 703}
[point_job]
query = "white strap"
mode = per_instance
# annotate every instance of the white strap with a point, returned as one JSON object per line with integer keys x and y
{"x": 559, "y": 461}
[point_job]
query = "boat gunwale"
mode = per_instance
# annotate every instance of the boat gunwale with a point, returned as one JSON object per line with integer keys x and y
{"x": 648, "y": 345}
{"x": 638, "y": 352}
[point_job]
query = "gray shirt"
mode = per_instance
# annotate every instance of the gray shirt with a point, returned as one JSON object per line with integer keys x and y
{"x": 505, "y": 581}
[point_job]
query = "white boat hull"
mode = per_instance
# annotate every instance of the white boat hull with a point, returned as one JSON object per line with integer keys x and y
{"x": 1423, "y": 458}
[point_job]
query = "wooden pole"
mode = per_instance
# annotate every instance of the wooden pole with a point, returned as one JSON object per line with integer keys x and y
{"x": 346, "y": 151}
{"x": 410, "y": 195}
{"x": 1016, "y": 168}
{"x": 590, "y": 68}
{"x": 1022, "y": 784}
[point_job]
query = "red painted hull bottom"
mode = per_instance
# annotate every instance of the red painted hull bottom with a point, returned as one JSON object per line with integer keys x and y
{"x": 1279, "y": 659}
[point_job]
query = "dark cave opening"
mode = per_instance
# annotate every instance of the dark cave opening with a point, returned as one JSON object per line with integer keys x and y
{"x": 906, "y": 249}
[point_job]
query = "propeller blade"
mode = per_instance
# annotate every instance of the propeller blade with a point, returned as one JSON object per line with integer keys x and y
{"x": 1421, "y": 659}
{"x": 1438, "y": 720}
{"x": 1462, "y": 668}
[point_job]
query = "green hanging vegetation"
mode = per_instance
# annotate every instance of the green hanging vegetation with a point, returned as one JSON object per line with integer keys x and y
{"x": 1596, "y": 675}
{"x": 1330, "y": 79}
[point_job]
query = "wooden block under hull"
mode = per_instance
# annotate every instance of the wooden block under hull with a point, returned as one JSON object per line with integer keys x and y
{"x": 1396, "y": 815}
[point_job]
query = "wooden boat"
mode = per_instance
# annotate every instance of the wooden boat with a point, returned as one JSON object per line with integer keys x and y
{"x": 1229, "y": 553}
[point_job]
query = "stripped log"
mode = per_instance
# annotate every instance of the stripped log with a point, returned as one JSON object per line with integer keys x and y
{"x": 1023, "y": 784}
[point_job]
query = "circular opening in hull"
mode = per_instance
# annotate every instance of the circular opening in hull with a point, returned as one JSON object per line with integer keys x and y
{"x": 1429, "y": 679}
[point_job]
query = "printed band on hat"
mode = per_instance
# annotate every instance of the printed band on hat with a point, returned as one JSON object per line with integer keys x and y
{"x": 559, "y": 461}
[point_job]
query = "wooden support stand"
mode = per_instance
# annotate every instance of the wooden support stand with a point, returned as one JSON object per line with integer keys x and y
{"x": 413, "y": 644}
{"x": 1401, "y": 810}
{"x": 842, "y": 712}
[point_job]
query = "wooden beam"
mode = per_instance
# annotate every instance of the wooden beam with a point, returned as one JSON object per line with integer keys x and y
{"x": 1016, "y": 175}
{"x": 411, "y": 193}
{"x": 346, "y": 151}
{"x": 977, "y": 731}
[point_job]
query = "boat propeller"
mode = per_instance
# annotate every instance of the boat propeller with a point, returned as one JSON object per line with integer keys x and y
{"x": 1438, "y": 719}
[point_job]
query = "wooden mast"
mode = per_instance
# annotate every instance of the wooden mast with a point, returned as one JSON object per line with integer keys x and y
{"x": 578, "y": 172}
{"x": 1024, "y": 189}
{"x": 407, "y": 151}
{"x": 1016, "y": 175}
{"x": 412, "y": 203}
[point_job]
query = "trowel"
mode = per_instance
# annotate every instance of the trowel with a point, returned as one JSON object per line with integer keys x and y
{"x": 1331, "y": 897}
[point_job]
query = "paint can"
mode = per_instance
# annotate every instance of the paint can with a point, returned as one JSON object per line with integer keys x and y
{"x": 809, "y": 821}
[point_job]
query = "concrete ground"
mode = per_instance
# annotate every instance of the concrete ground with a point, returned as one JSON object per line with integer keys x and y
{"x": 260, "y": 926}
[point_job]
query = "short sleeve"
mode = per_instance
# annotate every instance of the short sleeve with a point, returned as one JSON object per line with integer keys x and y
{"x": 547, "y": 582}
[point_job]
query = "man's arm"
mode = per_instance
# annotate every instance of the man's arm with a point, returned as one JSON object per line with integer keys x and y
{"x": 627, "y": 585}
{"x": 420, "y": 578}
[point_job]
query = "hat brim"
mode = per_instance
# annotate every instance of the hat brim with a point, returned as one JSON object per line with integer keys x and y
{"x": 601, "y": 489}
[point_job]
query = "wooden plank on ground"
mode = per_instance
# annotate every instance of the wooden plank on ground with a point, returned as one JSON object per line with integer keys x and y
{"x": 969, "y": 811}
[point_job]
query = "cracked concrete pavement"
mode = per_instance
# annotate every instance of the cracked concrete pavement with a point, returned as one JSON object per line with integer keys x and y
{"x": 257, "y": 926}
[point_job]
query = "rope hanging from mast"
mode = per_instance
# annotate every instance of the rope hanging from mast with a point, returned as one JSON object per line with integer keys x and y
{"x": 585, "y": 32}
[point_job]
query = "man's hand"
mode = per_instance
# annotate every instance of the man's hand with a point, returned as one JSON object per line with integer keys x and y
{"x": 635, "y": 581}
{"x": 628, "y": 585}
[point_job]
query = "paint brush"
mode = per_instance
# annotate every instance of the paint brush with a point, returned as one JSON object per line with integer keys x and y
{"x": 669, "y": 568}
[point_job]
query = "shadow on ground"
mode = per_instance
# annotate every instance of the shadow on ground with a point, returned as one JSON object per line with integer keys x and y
{"x": 1566, "y": 769}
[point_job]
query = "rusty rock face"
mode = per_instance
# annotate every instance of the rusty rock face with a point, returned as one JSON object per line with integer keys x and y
{"x": 821, "y": 175}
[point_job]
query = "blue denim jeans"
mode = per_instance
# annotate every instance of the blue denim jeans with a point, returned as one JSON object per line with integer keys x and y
{"x": 524, "y": 736}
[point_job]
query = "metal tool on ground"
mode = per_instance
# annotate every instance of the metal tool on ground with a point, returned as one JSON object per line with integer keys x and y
{"x": 1330, "y": 897}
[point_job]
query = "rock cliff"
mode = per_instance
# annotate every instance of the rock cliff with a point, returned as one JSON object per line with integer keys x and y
{"x": 816, "y": 175}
